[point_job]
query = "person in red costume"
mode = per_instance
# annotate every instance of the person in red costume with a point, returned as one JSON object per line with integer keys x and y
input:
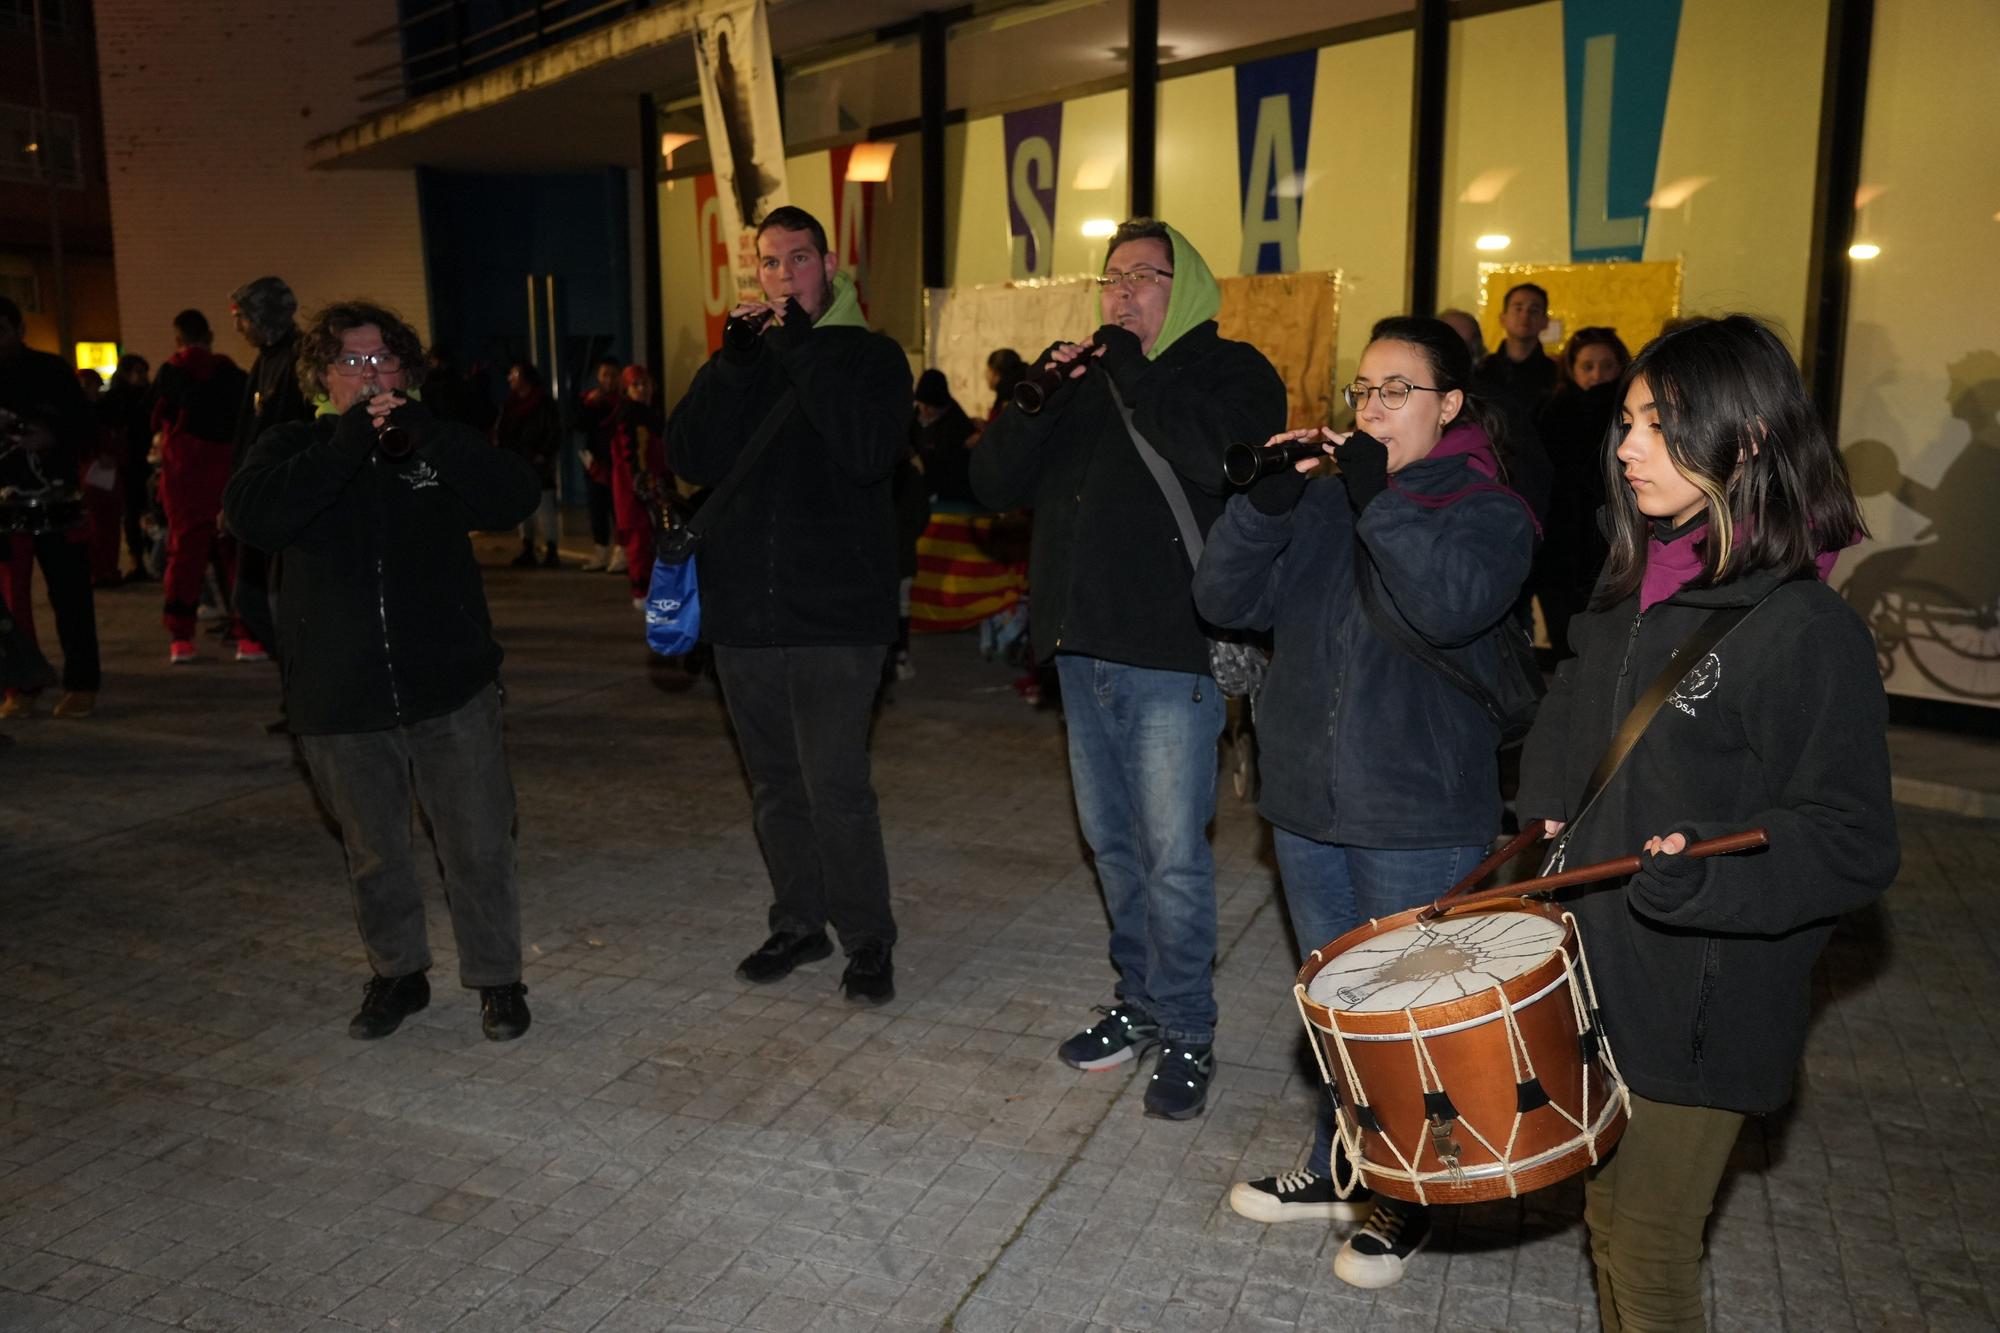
{"x": 194, "y": 418}
{"x": 639, "y": 476}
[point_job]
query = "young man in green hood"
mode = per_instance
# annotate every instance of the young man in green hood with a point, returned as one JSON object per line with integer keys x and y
{"x": 798, "y": 588}
{"x": 1110, "y": 575}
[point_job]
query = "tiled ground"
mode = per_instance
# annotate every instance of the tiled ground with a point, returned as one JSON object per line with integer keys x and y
{"x": 188, "y": 1138}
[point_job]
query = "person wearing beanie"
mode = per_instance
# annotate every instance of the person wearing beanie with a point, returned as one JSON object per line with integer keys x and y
{"x": 945, "y": 435}
{"x": 1113, "y": 609}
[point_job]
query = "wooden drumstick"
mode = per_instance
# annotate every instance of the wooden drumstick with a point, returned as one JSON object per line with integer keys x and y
{"x": 1748, "y": 840}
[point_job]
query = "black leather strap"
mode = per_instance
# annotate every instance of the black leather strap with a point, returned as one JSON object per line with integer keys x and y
{"x": 1393, "y": 628}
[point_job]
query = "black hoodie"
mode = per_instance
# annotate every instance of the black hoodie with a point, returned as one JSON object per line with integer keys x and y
{"x": 1781, "y": 727}
{"x": 384, "y": 615}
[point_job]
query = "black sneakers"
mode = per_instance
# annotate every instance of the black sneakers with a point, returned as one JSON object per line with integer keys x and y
{"x": 870, "y": 977}
{"x": 1179, "y": 1086}
{"x": 1126, "y": 1032}
{"x": 1377, "y": 1255}
{"x": 1298, "y": 1196}
{"x": 386, "y": 1002}
{"x": 776, "y": 957}
{"x": 503, "y": 1011}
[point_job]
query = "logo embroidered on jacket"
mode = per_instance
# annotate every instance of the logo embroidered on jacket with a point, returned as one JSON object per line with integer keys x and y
{"x": 420, "y": 476}
{"x": 1700, "y": 682}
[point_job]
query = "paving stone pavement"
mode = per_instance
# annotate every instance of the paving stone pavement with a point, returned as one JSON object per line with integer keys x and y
{"x": 189, "y": 1139}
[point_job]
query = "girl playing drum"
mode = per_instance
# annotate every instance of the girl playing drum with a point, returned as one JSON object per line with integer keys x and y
{"x": 1725, "y": 492}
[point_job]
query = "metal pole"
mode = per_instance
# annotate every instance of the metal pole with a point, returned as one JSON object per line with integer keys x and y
{"x": 45, "y": 158}
{"x": 1142, "y": 119}
{"x": 930, "y": 103}
{"x": 650, "y": 340}
{"x": 1850, "y": 32}
{"x": 534, "y": 331}
{"x": 1427, "y": 129}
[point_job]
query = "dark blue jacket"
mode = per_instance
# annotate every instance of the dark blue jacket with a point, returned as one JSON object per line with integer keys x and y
{"x": 1358, "y": 743}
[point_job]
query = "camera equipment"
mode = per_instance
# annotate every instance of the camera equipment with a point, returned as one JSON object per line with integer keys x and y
{"x": 1243, "y": 464}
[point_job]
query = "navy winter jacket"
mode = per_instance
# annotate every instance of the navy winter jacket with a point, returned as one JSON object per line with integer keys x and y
{"x": 1359, "y": 743}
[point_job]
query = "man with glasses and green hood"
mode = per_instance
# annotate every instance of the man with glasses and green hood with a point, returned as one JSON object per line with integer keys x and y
{"x": 798, "y": 588}
{"x": 1110, "y": 574}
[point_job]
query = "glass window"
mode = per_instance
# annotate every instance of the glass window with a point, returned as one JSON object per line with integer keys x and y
{"x": 851, "y": 92}
{"x": 1030, "y": 50}
{"x": 24, "y": 146}
{"x": 1633, "y": 139}
{"x": 1920, "y": 384}
{"x": 1198, "y": 29}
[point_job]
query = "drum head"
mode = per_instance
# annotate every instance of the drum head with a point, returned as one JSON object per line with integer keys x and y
{"x": 1447, "y": 959}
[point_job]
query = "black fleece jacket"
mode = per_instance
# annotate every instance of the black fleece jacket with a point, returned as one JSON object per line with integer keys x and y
{"x": 384, "y": 616}
{"x": 1704, "y": 976}
{"x": 1107, "y": 569}
{"x": 805, "y": 552}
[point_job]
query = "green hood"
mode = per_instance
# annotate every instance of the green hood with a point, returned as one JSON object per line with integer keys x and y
{"x": 845, "y": 308}
{"x": 1195, "y": 299}
{"x": 323, "y": 405}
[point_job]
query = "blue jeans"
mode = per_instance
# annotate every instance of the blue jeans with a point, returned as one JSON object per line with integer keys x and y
{"x": 1330, "y": 889}
{"x": 1142, "y": 757}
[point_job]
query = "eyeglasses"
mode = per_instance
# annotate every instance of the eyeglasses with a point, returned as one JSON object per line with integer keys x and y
{"x": 1133, "y": 280}
{"x": 1393, "y": 393}
{"x": 383, "y": 362}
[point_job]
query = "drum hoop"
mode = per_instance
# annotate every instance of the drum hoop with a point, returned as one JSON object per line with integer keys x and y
{"x": 1560, "y": 979}
{"x": 1613, "y": 1107}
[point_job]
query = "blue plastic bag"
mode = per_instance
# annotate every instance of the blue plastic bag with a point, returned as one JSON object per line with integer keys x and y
{"x": 673, "y": 608}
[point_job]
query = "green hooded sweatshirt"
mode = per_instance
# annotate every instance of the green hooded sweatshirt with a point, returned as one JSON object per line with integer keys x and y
{"x": 845, "y": 307}
{"x": 1195, "y": 299}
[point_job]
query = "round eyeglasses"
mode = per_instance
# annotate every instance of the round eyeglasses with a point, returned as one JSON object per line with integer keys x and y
{"x": 1393, "y": 393}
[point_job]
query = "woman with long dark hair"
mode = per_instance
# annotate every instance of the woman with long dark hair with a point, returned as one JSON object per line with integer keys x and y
{"x": 1575, "y": 425}
{"x": 1378, "y": 774}
{"x": 1727, "y": 504}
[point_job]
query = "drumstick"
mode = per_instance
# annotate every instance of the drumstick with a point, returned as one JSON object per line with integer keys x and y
{"x": 1624, "y": 865}
{"x": 1489, "y": 865}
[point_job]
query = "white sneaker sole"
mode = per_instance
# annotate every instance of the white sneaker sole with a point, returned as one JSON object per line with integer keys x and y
{"x": 1258, "y": 1206}
{"x": 1111, "y": 1061}
{"x": 1372, "y": 1272}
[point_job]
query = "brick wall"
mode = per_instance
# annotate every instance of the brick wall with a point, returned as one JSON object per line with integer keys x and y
{"x": 208, "y": 105}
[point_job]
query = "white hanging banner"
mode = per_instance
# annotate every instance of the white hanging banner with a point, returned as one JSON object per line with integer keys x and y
{"x": 739, "y": 105}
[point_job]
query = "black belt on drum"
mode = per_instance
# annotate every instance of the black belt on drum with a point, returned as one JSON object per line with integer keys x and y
{"x": 1698, "y": 645}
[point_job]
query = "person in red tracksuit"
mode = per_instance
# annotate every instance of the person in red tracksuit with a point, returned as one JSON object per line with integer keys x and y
{"x": 639, "y": 476}
{"x": 194, "y": 416}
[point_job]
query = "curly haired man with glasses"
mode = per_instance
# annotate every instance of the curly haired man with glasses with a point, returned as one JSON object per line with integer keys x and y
{"x": 391, "y": 670}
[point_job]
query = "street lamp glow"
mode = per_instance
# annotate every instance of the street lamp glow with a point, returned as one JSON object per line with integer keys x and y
{"x": 1493, "y": 240}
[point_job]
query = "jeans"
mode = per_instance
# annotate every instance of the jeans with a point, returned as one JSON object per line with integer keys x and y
{"x": 457, "y": 767}
{"x": 1647, "y": 1206}
{"x": 1142, "y": 758}
{"x": 544, "y": 519}
{"x": 801, "y": 717}
{"x": 1330, "y": 889}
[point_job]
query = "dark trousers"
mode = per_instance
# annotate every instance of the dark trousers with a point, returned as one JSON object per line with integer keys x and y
{"x": 136, "y": 474}
{"x": 65, "y": 562}
{"x": 600, "y": 511}
{"x": 801, "y": 717}
{"x": 251, "y": 597}
{"x": 456, "y": 766}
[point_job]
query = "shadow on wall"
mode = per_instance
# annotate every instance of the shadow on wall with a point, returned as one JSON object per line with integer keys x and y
{"x": 1934, "y": 605}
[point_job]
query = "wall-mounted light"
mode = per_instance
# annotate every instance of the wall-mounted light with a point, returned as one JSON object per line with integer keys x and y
{"x": 869, "y": 162}
{"x": 1493, "y": 240}
{"x": 1099, "y": 228}
{"x": 1863, "y": 250}
{"x": 671, "y": 142}
{"x": 1096, "y": 173}
{"x": 100, "y": 357}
